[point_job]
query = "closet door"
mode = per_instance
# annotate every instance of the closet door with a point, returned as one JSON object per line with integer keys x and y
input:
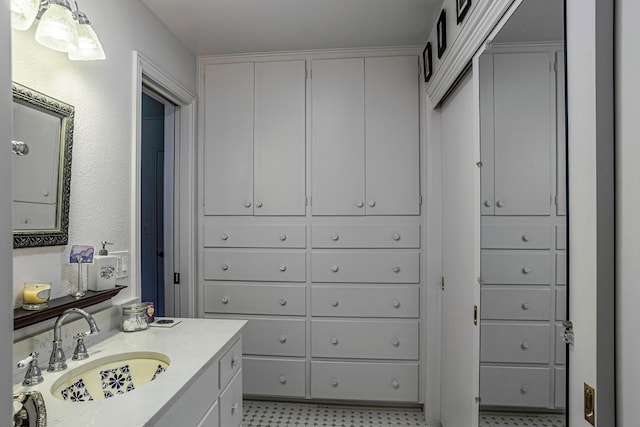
{"x": 524, "y": 109}
{"x": 392, "y": 141}
{"x": 337, "y": 137}
{"x": 228, "y": 139}
{"x": 279, "y": 143}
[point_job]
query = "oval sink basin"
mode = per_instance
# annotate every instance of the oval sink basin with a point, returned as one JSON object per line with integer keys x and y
{"x": 110, "y": 376}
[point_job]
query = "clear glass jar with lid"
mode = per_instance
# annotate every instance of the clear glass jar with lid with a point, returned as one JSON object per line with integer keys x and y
{"x": 133, "y": 317}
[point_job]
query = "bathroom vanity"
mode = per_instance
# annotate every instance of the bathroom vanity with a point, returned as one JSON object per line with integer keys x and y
{"x": 200, "y": 383}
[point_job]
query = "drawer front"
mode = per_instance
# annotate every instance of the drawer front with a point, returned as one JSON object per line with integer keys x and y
{"x": 561, "y": 237}
{"x": 561, "y": 304}
{"x": 513, "y": 386}
{"x": 254, "y": 236}
{"x": 365, "y": 301}
{"x": 561, "y": 388}
{"x": 561, "y": 347}
{"x": 510, "y": 268}
{"x": 236, "y": 298}
{"x": 231, "y": 403}
{"x": 514, "y": 342}
{"x": 274, "y": 377}
{"x": 372, "y": 339}
{"x": 365, "y": 236}
{"x": 265, "y": 266}
{"x": 230, "y": 364}
{"x": 274, "y": 337}
{"x": 365, "y": 267}
{"x": 364, "y": 381}
{"x": 561, "y": 269}
{"x": 516, "y": 304}
{"x": 516, "y": 236}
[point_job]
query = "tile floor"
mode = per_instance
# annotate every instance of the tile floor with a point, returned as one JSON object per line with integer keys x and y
{"x": 285, "y": 414}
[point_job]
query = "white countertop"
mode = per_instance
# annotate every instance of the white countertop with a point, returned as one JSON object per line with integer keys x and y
{"x": 190, "y": 345}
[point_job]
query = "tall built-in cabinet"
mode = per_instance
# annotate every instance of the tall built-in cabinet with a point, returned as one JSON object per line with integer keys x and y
{"x": 311, "y": 221}
{"x": 523, "y": 255}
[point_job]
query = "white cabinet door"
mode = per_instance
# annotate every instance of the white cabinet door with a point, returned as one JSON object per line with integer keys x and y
{"x": 523, "y": 112}
{"x": 337, "y": 137}
{"x": 279, "y": 143}
{"x": 228, "y": 139}
{"x": 391, "y": 134}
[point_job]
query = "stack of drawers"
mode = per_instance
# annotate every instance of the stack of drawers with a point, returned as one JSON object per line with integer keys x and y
{"x": 365, "y": 312}
{"x": 523, "y": 268}
{"x": 258, "y": 272}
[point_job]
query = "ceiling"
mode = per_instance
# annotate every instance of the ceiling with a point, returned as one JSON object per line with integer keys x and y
{"x": 216, "y": 27}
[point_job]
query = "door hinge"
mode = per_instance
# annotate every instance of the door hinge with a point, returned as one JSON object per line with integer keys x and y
{"x": 479, "y": 164}
{"x": 442, "y": 283}
{"x": 420, "y": 200}
{"x": 567, "y": 335}
{"x": 176, "y": 278}
{"x": 475, "y": 315}
{"x": 555, "y": 200}
{"x": 478, "y": 399}
{"x": 480, "y": 281}
{"x": 419, "y": 69}
{"x": 306, "y": 73}
{"x": 306, "y": 201}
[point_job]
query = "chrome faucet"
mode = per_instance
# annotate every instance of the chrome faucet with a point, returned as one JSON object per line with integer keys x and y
{"x": 58, "y": 361}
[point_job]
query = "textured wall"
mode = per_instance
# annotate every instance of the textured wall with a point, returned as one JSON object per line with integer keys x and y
{"x": 102, "y": 95}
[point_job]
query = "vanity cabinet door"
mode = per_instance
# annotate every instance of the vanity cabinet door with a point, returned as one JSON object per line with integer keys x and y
{"x": 211, "y": 418}
{"x": 228, "y": 139}
{"x": 231, "y": 403}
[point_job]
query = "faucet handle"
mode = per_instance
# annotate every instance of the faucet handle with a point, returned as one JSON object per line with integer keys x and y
{"x": 85, "y": 334}
{"x": 80, "y": 352}
{"x": 33, "y": 376}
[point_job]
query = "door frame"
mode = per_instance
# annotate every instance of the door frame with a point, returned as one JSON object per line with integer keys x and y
{"x": 147, "y": 74}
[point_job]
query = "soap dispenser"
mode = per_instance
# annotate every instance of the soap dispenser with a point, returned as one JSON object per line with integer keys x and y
{"x": 102, "y": 273}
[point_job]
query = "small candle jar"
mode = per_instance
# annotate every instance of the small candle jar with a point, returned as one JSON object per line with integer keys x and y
{"x": 134, "y": 318}
{"x": 36, "y": 295}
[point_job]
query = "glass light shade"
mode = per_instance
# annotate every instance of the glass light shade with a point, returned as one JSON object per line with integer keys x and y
{"x": 57, "y": 29}
{"x": 89, "y": 47}
{"x": 23, "y": 13}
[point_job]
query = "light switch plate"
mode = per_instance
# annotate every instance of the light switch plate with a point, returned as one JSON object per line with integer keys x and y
{"x": 122, "y": 263}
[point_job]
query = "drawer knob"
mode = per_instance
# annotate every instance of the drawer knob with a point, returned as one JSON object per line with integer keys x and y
{"x": 395, "y": 303}
{"x": 525, "y": 345}
{"x": 334, "y": 303}
{"x": 282, "y": 338}
{"x": 258, "y": 204}
{"x": 283, "y": 379}
{"x": 488, "y": 203}
{"x": 500, "y": 203}
{"x": 525, "y": 238}
{"x": 234, "y": 408}
{"x": 335, "y": 237}
{"x": 526, "y": 270}
{"x": 247, "y": 204}
{"x": 334, "y": 382}
{"x": 396, "y": 269}
{"x": 526, "y": 306}
{"x": 396, "y": 237}
{"x": 524, "y": 389}
{"x": 395, "y": 384}
{"x": 334, "y": 340}
{"x": 224, "y": 236}
{"x": 234, "y": 361}
{"x": 225, "y": 300}
{"x": 335, "y": 268}
{"x": 359, "y": 203}
{"x": 225, "y": 267}
{"x": 395, "y": 342}
{"x": 283, "y": 268}
{"x": 372, "y": 203}
{"x": 283, "y": 237}
{"x": 282, "y": 301}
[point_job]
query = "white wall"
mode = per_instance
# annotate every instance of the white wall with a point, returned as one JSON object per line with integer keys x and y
{"x": 102, "y": 95}
{"x": 628, "y": 210}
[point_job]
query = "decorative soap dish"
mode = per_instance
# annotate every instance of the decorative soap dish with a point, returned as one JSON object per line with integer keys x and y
{"x": 161, "y": 322}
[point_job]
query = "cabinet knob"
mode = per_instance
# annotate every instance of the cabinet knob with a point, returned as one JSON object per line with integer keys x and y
{"x": 526, "y": 270}
{"x": 334, "y": 340}
{"x": 395, "y": 342}
{"x": 396, "y": 237}
{"x": 359, "y": 203}
{"x": 283, "y": 268}
{"x": 224, "y": 300}
{"x": 524, "y": 389}
{"x": 258, "y": 204}
{"x": 282, "y": 338}
{"x": 488, "y": 203}
{"x": 283, "y": 379}
{"x": 283, "y": 237}
{"x": 247, "y": 204}
{"x": 525, "y": 238}
{"x": 371, "y": 203}
{"x": 395, "y": 384}
{"x": 395, "y": 303}
{"x": 500, "y": 203}
{"x": 224, "y": 267}
{"x": 396, "y": 269}
{"x": 525, "y": 345}
{"x": 334, "y": 382}
{"x": 234, "y": 361}
{"x": 334, "y": 303}
{"x": 335, "y": 237}
{"x": 45, "y": 193}
{"x": 234, "y": 408}
{"x": 526, "y": 306}
{"x": 283, "y": 301}
{"x": 335, "y": 268}
{"x": 224, "y": 236}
